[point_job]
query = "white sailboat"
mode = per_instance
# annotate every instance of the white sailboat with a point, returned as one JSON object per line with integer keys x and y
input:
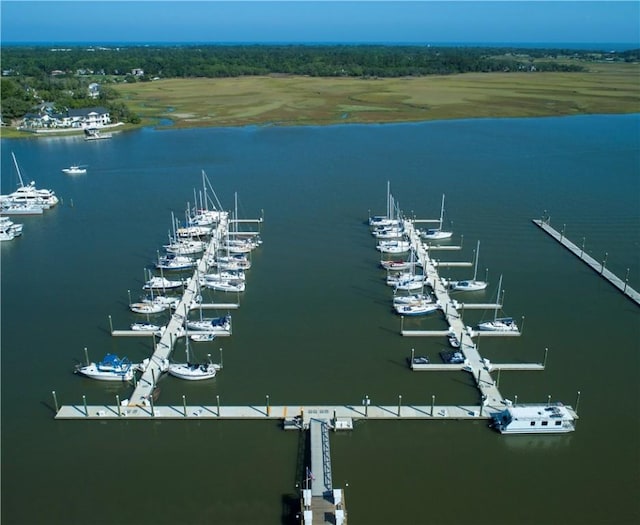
{"x": 470, "y": 285}
{"x": 436, "y": 234}
{"x": 499, "y": 324}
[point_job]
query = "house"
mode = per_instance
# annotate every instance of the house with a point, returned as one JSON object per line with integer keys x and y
{"x": 73, "y": 118}
{"x": 94, "y": 90}
{"x": 137, "y": 72}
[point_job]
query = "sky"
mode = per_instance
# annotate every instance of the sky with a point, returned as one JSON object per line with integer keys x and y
{"x": 325, "y": 21}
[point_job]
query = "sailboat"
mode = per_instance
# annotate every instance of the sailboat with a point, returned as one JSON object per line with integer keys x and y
{"x": 193, "y": 371}
{"x": 388, "y": 220}
{"x": 436, "y": 234}
{"x": 470, "y": 285}
{"x": 499, "y": 324}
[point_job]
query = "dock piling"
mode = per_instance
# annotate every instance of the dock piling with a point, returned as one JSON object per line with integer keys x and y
{"x": 433, "y": 402}
{"x": 218, "y": 403}
{"x": 184, "y": 405}
{"x": 268, "y": 410}
{"x": 110, "y": 325}
{"x": 544, "y": 362}
{"x": 84, "y": 402}
{"x": 86, "y": 356}
{"x": 118, "y": 404}
{"x": 399, "y": 404}
{"x": 577, "y": 402}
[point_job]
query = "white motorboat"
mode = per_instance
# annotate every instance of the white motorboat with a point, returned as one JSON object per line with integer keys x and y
{"x": 175, "y": 262}
{"x": 74, "y": 170}
{"x": 534, "y": 419}
{"x": 194, "y": 371}
{"x": 162, "y": 283}
{"x": 423, "y": 308}
{"x": 28, "y": 195}
{"x": 417, "y": 298}
{"x": 9, "y": 230}
{"x": 146, "y": 327}
{"x": 499, "y": 324}
{"x": 9, "y": 208}
{"x": 111, "y": 368}
{"x": 220, "y": 325}
{"x": 234, "y": 285}
{"x": 95, "y": 134}
{"x": 202, "y": 338}
{"x": 393, "y": 246}
{"x": 469, "y": 285}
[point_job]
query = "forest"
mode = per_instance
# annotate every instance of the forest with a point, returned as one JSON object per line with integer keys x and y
{"x": 61, "y": 75}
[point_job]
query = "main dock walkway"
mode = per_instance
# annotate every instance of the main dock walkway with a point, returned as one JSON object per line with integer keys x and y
{"x": 599, "y": 267}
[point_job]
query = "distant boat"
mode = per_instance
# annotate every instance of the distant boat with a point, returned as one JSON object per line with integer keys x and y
{"x": 9, "y": 230}
{"x": 111, "y": 368}
{"x": 160, "y": 283}
{"x": 74, "y": 170}
{"x": 216, "y": 325}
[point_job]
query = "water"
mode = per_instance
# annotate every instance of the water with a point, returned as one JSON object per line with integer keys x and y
{"x": 315, "y": 324}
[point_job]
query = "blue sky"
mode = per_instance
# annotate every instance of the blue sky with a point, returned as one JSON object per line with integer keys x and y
{"x": 453, "y": 21}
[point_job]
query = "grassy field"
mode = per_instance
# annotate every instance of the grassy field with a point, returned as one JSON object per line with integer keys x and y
{"x": 295, "y": 100}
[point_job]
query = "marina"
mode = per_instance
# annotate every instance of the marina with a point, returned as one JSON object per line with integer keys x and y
{"x": 316, "y": 330}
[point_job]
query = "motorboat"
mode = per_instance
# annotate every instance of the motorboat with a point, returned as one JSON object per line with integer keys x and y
{"x": 162, "y": 283}
{"x": 499, "y": 324}
{"x": 424, "y": 308}
{"x": 534, "y": 419}
{"x": 231, "y": 285}
{"x": 111, "y": 368}
{"x": 10, "y": 208}
{"x": 202, "y": 338}
{"x": 9, "y": 230}
{"x": 74, "y": 170}
{"x": 28, "y": 194}
{"x": 95, "y": 134}
{"x": 175, "y": 262}
{"x": 221, "y": 325}
{"x": 193, "y": 371}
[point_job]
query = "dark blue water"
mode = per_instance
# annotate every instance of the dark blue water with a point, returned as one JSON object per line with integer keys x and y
{"x": 315, "y": 324}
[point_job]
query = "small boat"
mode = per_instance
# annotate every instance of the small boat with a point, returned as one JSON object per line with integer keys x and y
{"x": 146, "y": 327}
{"x": 161, "y": 283}
{"x": 111, "y": 368}
{"x": 224, "y": 275}
{"x": 175, "y": 262}
{"x": 231, "y": 285}
{"x": 410, "y": 284}
{"x": 74, "y": 170}
{"x": 238, "y": 261}
{"x": 94, "y": 134}
{"x": 202, "y": 338}
{"x": 437, "y": 234}
{"x": 469, "y": 285}
{"x": 416, "y": 298}
{"x": 9, "y": 230}
{"x": 398, "y": 265}
{"x": 148, "y": 308}
{"x": 420, "y": 360}
{"x": 216, "y": 324}
{"x": 185, "y": 247}
{"x": 454, "y": 342}
{"x": 534, "y": 419}
{"x": 393, "y": 246}
{"x": 499, "y": 324}
{"x": 424, "y": 308}
{"x": 452, "y": 358}
{"x": 193, "y": 371}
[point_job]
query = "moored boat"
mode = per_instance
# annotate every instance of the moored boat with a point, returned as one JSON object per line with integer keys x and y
{"x": 534, "y": 419}
{"x": 111, "y": 368}
{"x": 215, "y": 324}
{"x": 74, "y": 170}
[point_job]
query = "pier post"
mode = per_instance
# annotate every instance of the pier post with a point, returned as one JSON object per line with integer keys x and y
{"x": 498, "y": 378}
{"x": 413, "y": 351}
{"x": 604, "y": 262}
{"x": 515, "y": 400}
{"x": 118, "y": 404}
{"x": 268, "y": 410}
{"x": 84, "y": 402}
{"x": 401, "y": 323}
{"x": 335, "y": 421}
{"x": 582, "y": 250}
{"x": 366, "y": 405}
{"x": 626, "y": 280}
{"x": 153, "y": 377}
{"x": 55, "y": 401}
{"x": 218, "y": 403}
{"x": 184, "y": 405}
{"x": 399, "y": 404}
{"x": 221, "y": 358}
{"x": 129, "y": 291}
{"x": 577, "y": 402}
{"x": 544, "y": 362}
{"x": 110, "y": 325}
{"x": 522, "y": 325}
{"x": 433, "y": 402}
{"x": 86, "y": 356}
{"x": 548, "y": 399}
{"x": 153, "y": 410}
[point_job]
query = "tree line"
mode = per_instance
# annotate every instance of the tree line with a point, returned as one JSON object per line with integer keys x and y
{"x": 62, "y": 75}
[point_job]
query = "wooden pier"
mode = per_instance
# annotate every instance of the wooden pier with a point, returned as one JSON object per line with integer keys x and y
{"x": 598, "y": 267}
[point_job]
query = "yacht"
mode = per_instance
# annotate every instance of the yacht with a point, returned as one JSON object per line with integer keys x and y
{"x": 534, "y": 419}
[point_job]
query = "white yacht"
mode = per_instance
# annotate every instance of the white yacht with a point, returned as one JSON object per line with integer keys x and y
{"x": 534, "y": 419}
{"x": 74, "y": 170}
{"x": 111, "y": 368}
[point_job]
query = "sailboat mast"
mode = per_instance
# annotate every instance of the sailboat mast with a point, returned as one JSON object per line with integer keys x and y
{"x": 17, "y": 169}
{"x": 495, "y": 313}
{"x": 388, "y": 199}
{"x": 475, "y": 270}
{"x": 441, "y": 212}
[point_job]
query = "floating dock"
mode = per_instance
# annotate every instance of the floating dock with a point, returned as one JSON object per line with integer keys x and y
{"x": 598, "y": 267}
